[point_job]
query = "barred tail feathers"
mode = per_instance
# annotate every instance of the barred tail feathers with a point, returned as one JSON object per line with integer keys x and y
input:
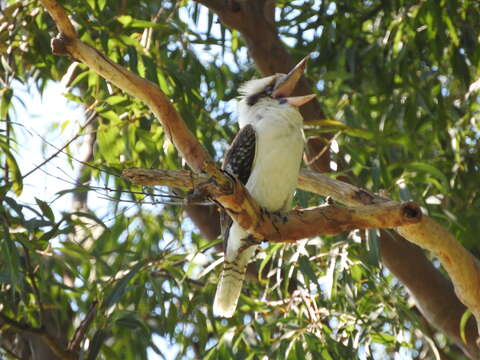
{"x": 234, "y": 267}
{"x": 228, "y": 292}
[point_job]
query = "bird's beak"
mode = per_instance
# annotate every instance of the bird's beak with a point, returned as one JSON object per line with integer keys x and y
{"x": 285, "y": 85}
{"x": 299, "y": 100}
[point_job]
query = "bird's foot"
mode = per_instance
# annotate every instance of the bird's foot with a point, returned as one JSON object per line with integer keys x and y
{"x": 279, "y": 216}
{"x": 248, "y": 241}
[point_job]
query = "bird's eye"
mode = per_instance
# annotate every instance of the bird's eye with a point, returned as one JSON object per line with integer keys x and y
{"x": 282, "y": 101}
{"x": 252, "y": 100}
{"x": 268, "y": 90}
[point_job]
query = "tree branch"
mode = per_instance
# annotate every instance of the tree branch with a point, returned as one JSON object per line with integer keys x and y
{"x": 82, "y": 329}
{"x": 297, "y": 224}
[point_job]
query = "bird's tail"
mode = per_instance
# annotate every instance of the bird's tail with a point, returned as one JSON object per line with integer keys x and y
{"x": 230, "y": 285}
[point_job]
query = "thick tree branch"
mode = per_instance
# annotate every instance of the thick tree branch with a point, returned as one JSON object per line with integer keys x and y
{"x": 297, "y": 224}
{"x": 334, "y": 219}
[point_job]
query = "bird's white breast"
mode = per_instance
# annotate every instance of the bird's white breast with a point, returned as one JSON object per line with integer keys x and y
{"x": 279, "y": 150}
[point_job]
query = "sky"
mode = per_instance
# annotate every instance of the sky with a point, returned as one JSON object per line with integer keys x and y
{"x": 33, "y": 118}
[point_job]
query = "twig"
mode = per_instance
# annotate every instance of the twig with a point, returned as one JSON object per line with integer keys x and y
{"x": 55, "y": 154}
{"x": 82, "y": 329}
{"x": 324, "y": 149}
{"x": 31, "y": 276}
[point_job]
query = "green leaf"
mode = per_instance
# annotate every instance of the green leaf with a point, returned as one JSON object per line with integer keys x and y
{"x": 383, "y": 338}
{"x": 373, "y": 249}
{"x": 101, "y": 4}
{"x": 357, "y": 272}
{"x": 129, "y": 21}
{"x": 14, "y": 170}
{"x": 6, "y": 98}
{"x": 97, "y": 342}
{"x": 429, "y": 169}
{"x": 307, "y": 269}
{"x": 90, "y": 216}
{"x": 92, "y": 4}
{"x": 46, "y": 210}
{"x": 463, "y": 323}
{"x": 10, "y": 257}
{"x": 121, "y": 286}
{"x": 130, "y": 320}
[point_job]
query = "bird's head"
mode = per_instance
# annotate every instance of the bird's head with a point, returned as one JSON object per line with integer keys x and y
{"x": 273, "y": 91}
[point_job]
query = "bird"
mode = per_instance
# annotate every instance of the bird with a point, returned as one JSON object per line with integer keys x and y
{"x": 265, "y": 156}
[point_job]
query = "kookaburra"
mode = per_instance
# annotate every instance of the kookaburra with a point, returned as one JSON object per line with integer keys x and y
{"x": 265, "y": 156}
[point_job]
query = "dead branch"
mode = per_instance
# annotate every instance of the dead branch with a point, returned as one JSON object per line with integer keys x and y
{"x": 82, "y": 329}
{"x": 171, "y": 178}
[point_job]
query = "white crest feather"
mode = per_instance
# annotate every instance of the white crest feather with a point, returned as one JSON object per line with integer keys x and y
{"x": 255, "y": 86}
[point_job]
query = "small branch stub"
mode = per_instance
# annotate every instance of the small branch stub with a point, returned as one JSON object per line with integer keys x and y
{"x": 59, "y": 45}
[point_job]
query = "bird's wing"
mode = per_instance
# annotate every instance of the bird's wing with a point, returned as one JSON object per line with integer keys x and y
{"x": 238, "y": 162}
{"x": 239, "y": 159}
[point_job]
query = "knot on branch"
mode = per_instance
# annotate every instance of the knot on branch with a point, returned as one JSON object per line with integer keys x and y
{"x": 411, "y": 211}
{"x": 60, "y": 43}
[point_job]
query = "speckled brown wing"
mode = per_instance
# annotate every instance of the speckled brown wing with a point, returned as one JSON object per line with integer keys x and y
{"x": 238, "y": 162}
